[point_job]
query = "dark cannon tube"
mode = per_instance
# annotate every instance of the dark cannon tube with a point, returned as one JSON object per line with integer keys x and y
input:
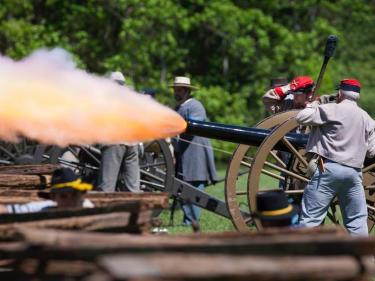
{"x": 240, "y": 135}
{"x": 245, "y": 135}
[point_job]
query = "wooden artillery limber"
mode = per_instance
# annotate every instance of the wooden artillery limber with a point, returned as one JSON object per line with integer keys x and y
{"x": 306, "y": 254}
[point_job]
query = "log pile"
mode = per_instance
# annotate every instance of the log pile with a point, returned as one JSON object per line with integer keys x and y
{"x": 124, "y": 212}
{"x": 273, "y": 255}
{"x": 133, "y": 214}
{"x": 70, "y": 244}
{"x": 36, "y": 176}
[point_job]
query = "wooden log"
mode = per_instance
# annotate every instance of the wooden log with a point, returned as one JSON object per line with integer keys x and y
{"x": 117, "y": 220}
{"x": 229, "y": 267}
{"x": 124, "y": 222}
{"x": 155, "y": 200}
{"x": 197, "y": 267}
{"x": 132, "y": 207}
{"x": 34, "y": 169}
{"x": 40, "y": 269}
{"x": 24, "y": 181}
{"x": 151, "y": 199}
{"x": 56, "y": 270}
{"x": 90, "y": 245}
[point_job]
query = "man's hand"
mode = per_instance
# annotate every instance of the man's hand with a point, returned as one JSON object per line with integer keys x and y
{"x": 301, "y": 82}
{"x": 282, "y": 91}
{"x": 313, "y": 104}
{"x": 328, "y": 98}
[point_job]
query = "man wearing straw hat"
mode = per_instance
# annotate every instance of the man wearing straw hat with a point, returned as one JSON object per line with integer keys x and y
{"x": 194, "y": 155}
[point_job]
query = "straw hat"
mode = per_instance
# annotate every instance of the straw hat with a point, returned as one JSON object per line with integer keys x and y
{"x": 118, "y": 77}
{"x": 181, "y": 81}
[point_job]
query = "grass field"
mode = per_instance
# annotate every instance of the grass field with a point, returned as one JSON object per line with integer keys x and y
{"x": 210, "y": 222}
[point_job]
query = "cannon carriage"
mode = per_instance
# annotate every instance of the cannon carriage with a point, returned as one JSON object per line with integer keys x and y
{"x": 258, "y": 156}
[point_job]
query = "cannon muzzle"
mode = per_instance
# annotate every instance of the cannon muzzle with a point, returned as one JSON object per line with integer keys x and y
{"x": 240, "y": 135}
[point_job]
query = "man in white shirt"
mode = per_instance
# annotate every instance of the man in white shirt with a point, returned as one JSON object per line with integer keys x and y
{"x": 342, "y": 134}
{"x": 119, "y": 161}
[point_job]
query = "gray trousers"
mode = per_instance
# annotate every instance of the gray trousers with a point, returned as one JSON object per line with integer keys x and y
{"x": 345, "y": 183}
{"x": 119, "y": 162}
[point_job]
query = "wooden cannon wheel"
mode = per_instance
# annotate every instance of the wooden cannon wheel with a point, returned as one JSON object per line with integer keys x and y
{"x": 157, "y": 168}
{"x": 240, "y": 162}
{"x": 17, "y": 153}
{"x": 266, "y": 163}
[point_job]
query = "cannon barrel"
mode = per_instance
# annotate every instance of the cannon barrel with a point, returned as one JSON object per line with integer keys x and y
{"x": 239, "y": 134}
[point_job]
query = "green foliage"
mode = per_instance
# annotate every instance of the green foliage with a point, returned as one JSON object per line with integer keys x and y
{"x": 231, "y": 48}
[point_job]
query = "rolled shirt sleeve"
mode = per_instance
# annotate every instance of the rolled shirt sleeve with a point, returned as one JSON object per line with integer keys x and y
{"x": 31, "y": 207}
{"x": 271, "y": 101}
{"x": 312, "y": 115}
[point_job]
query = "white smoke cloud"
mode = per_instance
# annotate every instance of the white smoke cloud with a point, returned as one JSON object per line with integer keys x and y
{"x": 46, "y": 98}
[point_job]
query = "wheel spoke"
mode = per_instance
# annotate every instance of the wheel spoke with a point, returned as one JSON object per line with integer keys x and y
{"x": 248, "y": 220}
{"x": 268, "y": 173}
{"x": 72, "y": 150}
{"x": 294, "y": 191}
{"x": 246, "y": 164}
{"x": 153, "y": 184}
{"x": 12, "y": 156}
{"x": 91, "y": 155}
{"x": 278, "y": 160}
{"x": 153, "y": 165}
{"x": 294, "y": 151}
{"x": 285, "y": 171}
{"x": 151, "y": 176}
{"x": 240, "y": 193}
{"x": 273, "y": 175}
{"x": 16, "y": 148}
{"x": 368, "y": 168}
{"x": 371, "y": 208}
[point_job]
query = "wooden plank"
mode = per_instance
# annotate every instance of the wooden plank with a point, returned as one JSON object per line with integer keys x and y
{"x": 24, "y": 181}
{"x": 123, "y": 222}
{"x": 199, "y": 267}
{"x": 156, "y": 200}
{"x": 59, "y": 270}
{"x": 229, "y": 267}
{"x": 132, "y": 206}
{"x": 33, "y": 169}
{"x": 91, "y": 244}
{"x": 97, "y": 222}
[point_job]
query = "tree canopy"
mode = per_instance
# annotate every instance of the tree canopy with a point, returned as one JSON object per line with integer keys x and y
{"x": 230, "y": 48}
